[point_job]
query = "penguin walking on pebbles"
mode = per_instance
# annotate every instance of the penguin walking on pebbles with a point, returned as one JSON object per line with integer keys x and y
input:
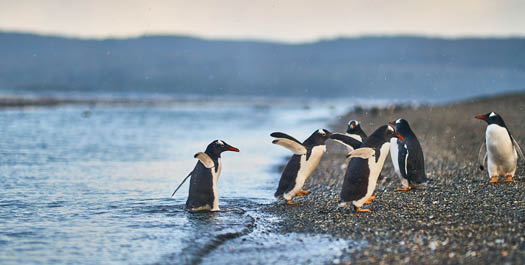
{"x": 203, "y": 194}
{"x": 501, "y": 149}
{"x": 303, "y": 163}
{"x": 364, "y": 167}
{"x": 407, "y": 157}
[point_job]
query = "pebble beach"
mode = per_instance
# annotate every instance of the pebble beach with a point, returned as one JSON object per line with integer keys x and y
{"x": 459, "y": 218}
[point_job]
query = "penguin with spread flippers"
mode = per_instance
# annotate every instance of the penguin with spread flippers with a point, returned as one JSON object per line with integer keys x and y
{"x": 303, "y": 163}
{"x": 203, "y": 194}
{"x": 407, "y": 157}
{"x": 502, "y": 149}
{"x": 365, "y": 166}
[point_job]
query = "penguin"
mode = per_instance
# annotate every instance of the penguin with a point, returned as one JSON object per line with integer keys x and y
{"x": 407, "y": 157}
{"x": 305, "y": 160}
{"x": 364, "y": 167}
{"x": 203, "y": 194}
{"x": 501, "y": 149}
{"x": 354, "y": 130}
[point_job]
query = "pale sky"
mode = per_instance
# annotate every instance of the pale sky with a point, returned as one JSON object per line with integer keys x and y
{"x": 280, "y": 20}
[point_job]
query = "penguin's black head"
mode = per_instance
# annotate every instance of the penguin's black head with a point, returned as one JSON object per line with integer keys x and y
{"x": 217, "y": 147}
{"x": 401, "y": 126}
{"x": 389, "y": 132}
{"x": 318, "y": 137}
{"x": 492, "y": 118}
{"x": 353, "y": 127}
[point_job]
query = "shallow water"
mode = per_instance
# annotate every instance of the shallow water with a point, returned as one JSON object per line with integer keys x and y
{"x": 92, "y": 184}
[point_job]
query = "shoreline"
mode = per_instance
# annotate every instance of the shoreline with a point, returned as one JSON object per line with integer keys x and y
{"x": 458, "y": 218}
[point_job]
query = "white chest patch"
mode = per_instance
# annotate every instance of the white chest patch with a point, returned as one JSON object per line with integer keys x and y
{"x": 394, "y": 152}
{"x": 307, "y": 167}
{"x": 215, "y": 179}
{"x": 502, "y": 157}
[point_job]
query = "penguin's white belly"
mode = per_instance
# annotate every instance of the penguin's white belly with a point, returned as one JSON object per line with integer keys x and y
{"x": 375, "y": 169}
{"x": 502, "y": 157}
{"x": 306, "y": 168}
{"x": 215, "y": 179}
{"x": 394, "y": 153}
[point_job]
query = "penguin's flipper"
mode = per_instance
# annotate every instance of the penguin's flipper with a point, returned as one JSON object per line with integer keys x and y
{"x": 518, "y": 148}
{"x": 482, "y": 155}
{"x": 403, "y": 159}
{"x": 346, "y": 140}
{"x": 289, "y": 143}
{"x": 364, "y": 152}
{"x": 205, "y": 159}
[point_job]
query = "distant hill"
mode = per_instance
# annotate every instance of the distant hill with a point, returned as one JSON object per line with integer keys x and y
{"x": 363, "y": 67}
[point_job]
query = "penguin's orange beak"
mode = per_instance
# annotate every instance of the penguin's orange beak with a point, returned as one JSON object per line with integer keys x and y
{"x": 392, "y": 123}
{"x": 480, "y": 117}
{"x": 231, "y": 148}
{"x": 399, "y": 136}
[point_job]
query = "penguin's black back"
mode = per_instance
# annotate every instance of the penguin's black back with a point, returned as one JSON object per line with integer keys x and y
{"x": 355, "y": 183}
{"x": 201, "y": 187}
{"x": 416, "y": 161}
{"x": 287, "y": 181}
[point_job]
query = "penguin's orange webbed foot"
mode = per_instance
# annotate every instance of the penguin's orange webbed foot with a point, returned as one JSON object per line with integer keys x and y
{"x": 404, "y": 188}
{"x": 289, "y": 202}
{"x": 509, "y": 179}
{"x": 369, "y": 201}
{"x": 493, "y": 179}
{"x": 302, "y": 193}
{"x": 359, "y": 210}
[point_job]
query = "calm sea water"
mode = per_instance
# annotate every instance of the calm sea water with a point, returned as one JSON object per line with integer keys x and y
{"x": 92, "y": 185}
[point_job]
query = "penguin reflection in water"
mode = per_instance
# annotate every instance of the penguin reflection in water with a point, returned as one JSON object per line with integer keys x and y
{"x": 501, "y": 149}
{"x": 407, "y": 157}
{"x": 203, "y": 183}
{"x": 364, "y": 167}
{"x": 302, "y": 164}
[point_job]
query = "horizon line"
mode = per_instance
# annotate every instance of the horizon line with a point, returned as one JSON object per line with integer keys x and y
{"x": 255, "y": 39}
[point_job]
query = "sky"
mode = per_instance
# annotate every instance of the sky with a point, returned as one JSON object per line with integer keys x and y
{"x": 274, "y": 20}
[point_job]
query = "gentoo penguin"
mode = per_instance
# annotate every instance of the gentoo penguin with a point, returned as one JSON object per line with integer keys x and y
{"x": 502, "y": 149}
{"x": 203, "y": 183}
{"x": 364, "y": 167}
{"x": 354, "y": 130}
{"x": 407, "y": 157}
{"x": 353, "y": 139}
{"x": 302, "y": 164}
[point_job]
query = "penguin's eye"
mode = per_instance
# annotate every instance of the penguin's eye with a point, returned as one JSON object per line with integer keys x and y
{"x": 322, "y": 132}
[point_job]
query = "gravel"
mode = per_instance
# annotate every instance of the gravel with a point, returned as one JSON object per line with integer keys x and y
{"x": 458, "y": 218}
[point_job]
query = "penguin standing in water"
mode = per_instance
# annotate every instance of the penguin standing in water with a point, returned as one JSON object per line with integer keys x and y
{"x": 305, "y": 160}
{"x": 203, "y": 194}
{"x": 407, "y": 157}
{"x": 364, "y": 167}
{"x": 502, "y": 149}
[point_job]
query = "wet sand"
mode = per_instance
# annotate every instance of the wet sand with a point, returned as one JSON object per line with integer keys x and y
{"x": 459, "y": 218}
